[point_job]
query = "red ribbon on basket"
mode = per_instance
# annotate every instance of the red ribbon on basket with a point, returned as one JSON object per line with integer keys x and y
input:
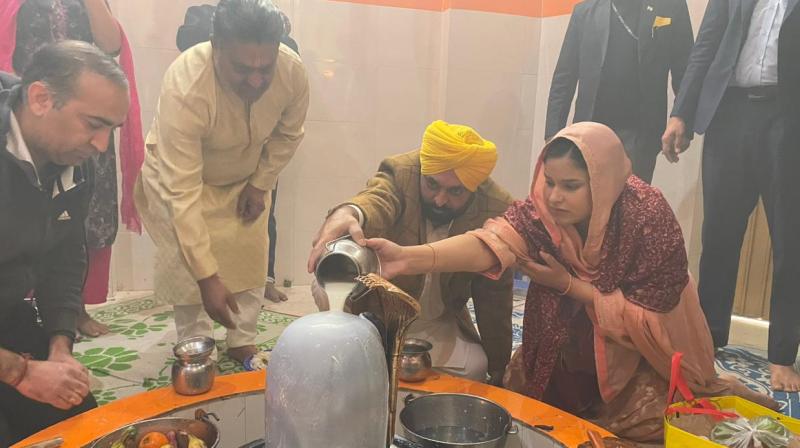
{"x": 701, "y": 406}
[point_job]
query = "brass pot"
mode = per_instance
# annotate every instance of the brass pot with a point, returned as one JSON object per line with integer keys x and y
{"x": 415, "y": 360}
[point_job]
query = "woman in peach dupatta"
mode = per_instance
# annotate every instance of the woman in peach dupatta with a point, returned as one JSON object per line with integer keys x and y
{"x": 611, "y": 299}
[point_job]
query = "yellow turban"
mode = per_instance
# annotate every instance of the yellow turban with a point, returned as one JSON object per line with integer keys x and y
{"x": 459, "y": 148}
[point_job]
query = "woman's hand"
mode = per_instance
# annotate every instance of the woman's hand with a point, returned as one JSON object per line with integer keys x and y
{"x": 551, "y": 274}
{"x": 394, "y": 261}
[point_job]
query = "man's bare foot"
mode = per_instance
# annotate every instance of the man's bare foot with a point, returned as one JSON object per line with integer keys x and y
{"x": 242, "y": 353}
{"x": 740, "y": 390}
{"x": 90, "y": 327}
{"x": 784, "y": 378}
{"x": 272, "y": 293}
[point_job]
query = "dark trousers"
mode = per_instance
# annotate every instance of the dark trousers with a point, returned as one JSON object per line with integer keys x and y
{"x": 643, "y": 148}
{"x": 272, "y": 231}
{"x": 20, "y": 416}
{"x": 746, "y": 157}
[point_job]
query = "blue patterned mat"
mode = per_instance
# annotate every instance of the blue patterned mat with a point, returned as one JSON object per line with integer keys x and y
{"x": 753, "y": 370}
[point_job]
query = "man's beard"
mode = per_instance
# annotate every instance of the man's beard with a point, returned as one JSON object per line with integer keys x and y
{"x": 440, "y": 215}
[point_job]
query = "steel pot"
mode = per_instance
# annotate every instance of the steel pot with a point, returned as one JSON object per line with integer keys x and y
{"x": 456, "y": 420}
{"x": 200, "y": 427}
{"x": 415, "y": 360}
{"x": 193, "y": 371}
{"x": 345, "y": 260}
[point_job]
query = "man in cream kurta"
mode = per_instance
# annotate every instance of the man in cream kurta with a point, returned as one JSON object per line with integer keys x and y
{"x": 229, "y": 118}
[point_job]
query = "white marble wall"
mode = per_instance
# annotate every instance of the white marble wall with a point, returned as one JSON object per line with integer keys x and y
{"x": 378, "y": 76}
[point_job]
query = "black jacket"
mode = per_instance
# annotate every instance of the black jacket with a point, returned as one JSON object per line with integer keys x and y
{"x": 198, "y": 23}
{"x": 42, "y": 239}
{"x": 713, "y": 60}
{"x": 789, "y": 69}
{"x": 662, "y": 50}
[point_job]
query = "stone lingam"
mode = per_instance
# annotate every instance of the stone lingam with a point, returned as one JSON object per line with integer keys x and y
{"x": 332, "y": 377}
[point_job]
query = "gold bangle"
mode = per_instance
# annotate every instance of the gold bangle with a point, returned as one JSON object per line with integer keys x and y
{"x": 433, "y": 265}
{"x": 566, "y": 291}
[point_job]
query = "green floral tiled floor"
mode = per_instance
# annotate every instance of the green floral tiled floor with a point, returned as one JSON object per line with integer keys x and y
{"x": 137, "y": 354}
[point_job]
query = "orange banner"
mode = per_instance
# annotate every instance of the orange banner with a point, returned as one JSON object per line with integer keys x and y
{"x": 527, "y": 8}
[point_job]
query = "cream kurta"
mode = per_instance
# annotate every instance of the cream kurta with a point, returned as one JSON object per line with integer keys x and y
{"x": 203, "y": 149}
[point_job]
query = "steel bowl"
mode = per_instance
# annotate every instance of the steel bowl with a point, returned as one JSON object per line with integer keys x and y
{"x": 194, "y": 348}
{"x": 200, "y": 427}
{"x": 415, "y": 360}
{"x": 456, "y": 420}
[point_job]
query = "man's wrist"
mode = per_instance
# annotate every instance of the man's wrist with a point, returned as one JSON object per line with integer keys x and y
{"x": 60, "y": 344}
{"x": 351, "y": 210}
{"x": 357, "y": 213}
{"x": 257, "y": 188}
{"x": 13, "y": 368}
{"x": 205, "y": 281}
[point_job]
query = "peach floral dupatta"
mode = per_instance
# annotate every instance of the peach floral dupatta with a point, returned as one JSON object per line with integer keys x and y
{"x": 645, "y": 305}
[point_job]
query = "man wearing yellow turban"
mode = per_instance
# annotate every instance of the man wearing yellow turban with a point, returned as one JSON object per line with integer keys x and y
{"x": 441, "y": 190}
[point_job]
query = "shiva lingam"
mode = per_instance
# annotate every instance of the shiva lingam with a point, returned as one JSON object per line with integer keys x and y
{"x": 333, "y": 376}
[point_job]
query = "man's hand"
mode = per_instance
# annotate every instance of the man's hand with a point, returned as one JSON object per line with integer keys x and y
{"x": 217, "y": 300}
{"x": 342, "y": 221}
{"x": 675, "y": 139}
{"x": 251, "y": 203}
{"x": 62, "y": 384}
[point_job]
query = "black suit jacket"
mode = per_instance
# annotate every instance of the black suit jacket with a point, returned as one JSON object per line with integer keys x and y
{"x": 661, "y": 51}
{"x": 789, "y": 68}
{"x": 714, "y": 56}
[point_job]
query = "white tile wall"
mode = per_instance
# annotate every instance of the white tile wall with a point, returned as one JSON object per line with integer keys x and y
{"x": 340, "y": 92}
{"x": 496, "y": 42}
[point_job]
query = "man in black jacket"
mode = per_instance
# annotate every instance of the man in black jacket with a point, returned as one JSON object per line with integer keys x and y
{"x": 62, "y": 112}
{"x": 619, "y": 53}
{"x": 741, "y": 90}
